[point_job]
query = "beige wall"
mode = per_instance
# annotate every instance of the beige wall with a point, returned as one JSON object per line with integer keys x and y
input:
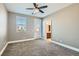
{"x": 65, "y": 26}
{"x": 30, "y": 30}
{"x": 3, "y": 26}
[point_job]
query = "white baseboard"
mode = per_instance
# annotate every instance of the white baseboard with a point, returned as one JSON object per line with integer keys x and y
{"x": 15, "y": 42}
{"x": 67, "y": 46}
{"x": 3, "y": 49}
{"x": 21, "y": 40}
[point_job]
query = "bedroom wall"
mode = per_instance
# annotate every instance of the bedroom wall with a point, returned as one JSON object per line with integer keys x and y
{"x": 37, "y": 28}
{"x": 30, "y": 30}
{"x": 3, "y": 26}
{"x": 65, "y": 26}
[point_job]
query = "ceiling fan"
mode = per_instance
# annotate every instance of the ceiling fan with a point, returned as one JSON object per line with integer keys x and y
{"x": 37, "y": 8}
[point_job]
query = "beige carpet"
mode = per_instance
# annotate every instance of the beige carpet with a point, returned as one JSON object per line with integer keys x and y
{"x": 37, "y": 47}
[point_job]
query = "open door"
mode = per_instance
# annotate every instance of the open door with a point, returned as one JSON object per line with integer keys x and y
{"x": 48, "y": 31}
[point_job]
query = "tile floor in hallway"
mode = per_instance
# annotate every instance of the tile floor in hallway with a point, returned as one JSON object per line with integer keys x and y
{"x": 37, "y": 47}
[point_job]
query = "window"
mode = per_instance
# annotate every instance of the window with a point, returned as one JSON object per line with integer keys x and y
{"x": 20, "y": 24}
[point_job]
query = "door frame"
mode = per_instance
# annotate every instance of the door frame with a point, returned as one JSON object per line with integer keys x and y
{"x": 44, "y": 33}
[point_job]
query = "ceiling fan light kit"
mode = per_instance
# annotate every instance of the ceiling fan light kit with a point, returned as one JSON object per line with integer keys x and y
{"x": 37, "y": 9}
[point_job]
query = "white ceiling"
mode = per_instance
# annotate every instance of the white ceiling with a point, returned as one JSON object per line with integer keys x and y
{"x": 21, "y": 8}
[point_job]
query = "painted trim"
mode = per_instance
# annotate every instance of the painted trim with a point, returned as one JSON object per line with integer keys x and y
{"x": 21, "y": 40}
{"x": 3, "y": 49}
{"x": 66, "y": 46}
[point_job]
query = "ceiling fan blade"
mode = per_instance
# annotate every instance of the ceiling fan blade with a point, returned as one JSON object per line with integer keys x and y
{"x": 30, "y": 8}
{"x": 35, "y": 5}
{"x": 41, "y": 11}
{"x": 43, "y": 7}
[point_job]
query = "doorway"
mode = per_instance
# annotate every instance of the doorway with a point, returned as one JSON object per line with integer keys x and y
{"x": 48, "y": 31}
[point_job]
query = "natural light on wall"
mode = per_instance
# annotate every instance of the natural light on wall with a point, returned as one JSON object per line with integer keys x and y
{"x": 37, "y": 29}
